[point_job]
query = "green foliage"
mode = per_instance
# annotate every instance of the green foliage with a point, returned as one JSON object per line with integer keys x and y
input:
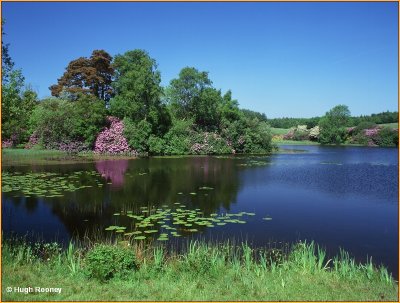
{"x": 360, "y": 138}
{"x": 202, "y": 272}
{"x": 209, "y": 143}
{"x": 185, "y": 92}
{"x": 137, "y": 134}
{"x": 52, "y": 120}
{"x": 293, "y": 122}
{"x": 333, "y": 125}
{"x": 56, "y": 120}
{"x": 7, "y": 64}
{"x": 387, "y": 137}
{"x": 104, "y": 262}
{"x": 249, "y": 114}
{"x": 380, "y": 118}
{"x": 156, "y": 145}
{"x": 257, "y": 137}
{"x": 363, "y": 125}
{"x": 17, "y": 104}
{"x": 178, "y": 138}
{"x": 88, "y": 119}
{"x": 138, "y": 92}
{"x": 229, "y": 108}
{"x": 137, "y": 85}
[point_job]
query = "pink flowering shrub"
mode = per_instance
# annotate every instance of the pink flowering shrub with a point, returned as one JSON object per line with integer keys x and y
{"x": 210, "y": 143}
{"x": 371, "y": 132}
{"x": 33, "y": 140}
{"x": 112, "y": 140}
{"x": 72, "y": 147}
{"x": 8, "y": 143}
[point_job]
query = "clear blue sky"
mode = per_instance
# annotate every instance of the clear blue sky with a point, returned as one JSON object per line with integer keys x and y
{"x": 283, "y": 59}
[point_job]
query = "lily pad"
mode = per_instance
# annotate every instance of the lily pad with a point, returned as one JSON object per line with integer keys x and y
{"x": 151, "y": 231}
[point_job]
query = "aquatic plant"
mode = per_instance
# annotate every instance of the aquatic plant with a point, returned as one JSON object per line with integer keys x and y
{"x": 44, "y": 184}
{"x": 174, "y": 221}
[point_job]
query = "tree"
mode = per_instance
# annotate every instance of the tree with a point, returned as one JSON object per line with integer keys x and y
{"x": 192, "y": 95}
{"x": 333, "y": 125}
{"x": 91, "y": 76}
{"x": 138, "y": 91}
{"x": 17, "y": 102}
{"x": 7, "y": 65}
{"x": 57, "y": 121}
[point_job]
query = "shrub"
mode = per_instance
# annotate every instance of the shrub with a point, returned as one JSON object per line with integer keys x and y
{"x": 210, "y": 143}
{"x": 333, "y": 125}
{"x": 104, "y": 262}
{"x": 56, "y": 121}
{"x": 387, "y": 137}
{"x": 362, "y": 126}
{"x": 52, "y": 121}
{"x": 156, "y": 145}
{"x": 361, "y": 138}
{"x": 72, "y": 147}
{"x": 257, "y": 137}
{"x": 137, "y": 134}
{"x": 7, "y": 143}
{"x": 314, "y": 133}
{"x": 179, "y": 138}
{"x": 111, "y": 140}
{"x": 33, "y": 140}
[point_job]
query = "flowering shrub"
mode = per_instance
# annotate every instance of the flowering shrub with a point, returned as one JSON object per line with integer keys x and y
{"x": 33, "y": 140}
{"x": 8, "y": 143}
{"x": 313, "y": 135}
{"x": 290, "y": 134}
{"x": 297, "y": 133}
{"x": 371, "y": 132}
{"x": 210, "y": 143}
{"x": 111, "y": 140}
{"x": 72, "y": 147}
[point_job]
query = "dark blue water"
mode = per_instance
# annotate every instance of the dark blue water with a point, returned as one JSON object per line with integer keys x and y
{"x": 340, "y": 197}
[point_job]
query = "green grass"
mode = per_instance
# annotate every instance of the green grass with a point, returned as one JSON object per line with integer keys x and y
{"x": 210, "y": 272}
{"x": 20, "y": 156}
{"x": 279, "y": 131}
{"x": 292, "y": 142}
{"x": 391, "y": 125}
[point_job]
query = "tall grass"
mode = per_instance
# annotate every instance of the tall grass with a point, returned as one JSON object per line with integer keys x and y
{"x": 236, "y": 269}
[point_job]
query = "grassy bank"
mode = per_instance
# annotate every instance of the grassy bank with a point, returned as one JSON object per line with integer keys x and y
{"x": 16, "y": 156}
{"x": 203, "y": 272}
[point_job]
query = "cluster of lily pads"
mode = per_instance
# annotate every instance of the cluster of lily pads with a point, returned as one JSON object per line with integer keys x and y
{"x": 251, "y": 163}
{"x": 173, "y": 221}
{"x": 44, "y": 184}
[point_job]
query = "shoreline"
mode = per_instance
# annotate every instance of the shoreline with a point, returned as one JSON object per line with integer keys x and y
{"x": 210, "y": 272}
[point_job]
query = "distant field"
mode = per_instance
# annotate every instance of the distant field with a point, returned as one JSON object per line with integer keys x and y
{"x": 392, "y": 125}
{"x": 279, "y": 131}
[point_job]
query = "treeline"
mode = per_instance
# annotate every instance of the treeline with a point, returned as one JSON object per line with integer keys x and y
{"x": 117, "y": 105}
{"x": 333, "y": 128}
{"x": 380, "y": 118}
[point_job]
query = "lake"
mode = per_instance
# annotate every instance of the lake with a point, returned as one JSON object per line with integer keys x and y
{"x": 340, "y": 197}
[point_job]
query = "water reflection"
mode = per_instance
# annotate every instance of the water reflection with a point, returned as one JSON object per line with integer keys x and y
{"x": 309, "y": 196}
{"x": 113, "y": 171}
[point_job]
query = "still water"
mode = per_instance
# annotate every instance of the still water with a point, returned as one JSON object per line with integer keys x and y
{"x": 340, "y": 197}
